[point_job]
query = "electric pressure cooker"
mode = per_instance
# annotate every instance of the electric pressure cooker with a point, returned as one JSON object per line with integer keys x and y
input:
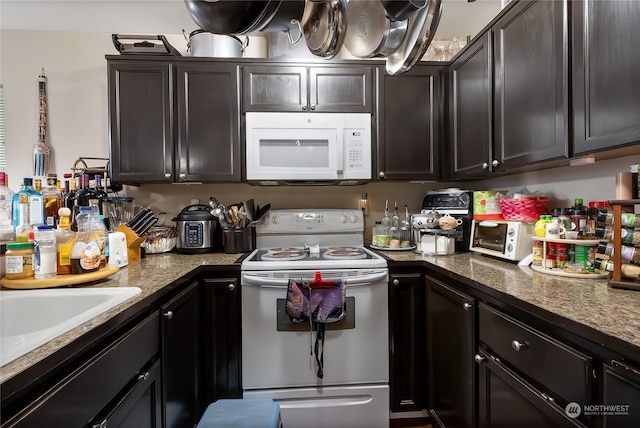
{"x": 198, "y": 230}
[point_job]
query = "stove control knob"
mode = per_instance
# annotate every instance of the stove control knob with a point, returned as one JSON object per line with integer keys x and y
{"x": 343, "y": 219}
{"x": 275, "y": 219}
{"x": 353, "y": 218}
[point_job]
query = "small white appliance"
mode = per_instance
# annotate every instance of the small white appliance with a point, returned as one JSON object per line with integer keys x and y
{"x": 308, "y": 148}
{"x": 118, "y": 251}
{"x": 509, "y": 240}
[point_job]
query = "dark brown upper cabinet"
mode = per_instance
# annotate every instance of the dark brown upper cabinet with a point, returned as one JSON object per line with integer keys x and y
{"x": 174, "y": 121}
{"x": 343, "y": 89}
{"x": 471, "y": 109}
{"x": 531, "y": 92}
{"x": 409, "y": 124}
{"x": 606, "y": 101}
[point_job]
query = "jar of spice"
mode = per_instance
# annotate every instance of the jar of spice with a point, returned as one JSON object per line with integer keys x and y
{"x": 19, "y": 260}
{"x": 537, "y": 253}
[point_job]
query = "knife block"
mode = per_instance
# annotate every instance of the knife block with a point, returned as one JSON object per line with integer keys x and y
{"x": 133, "y": 242}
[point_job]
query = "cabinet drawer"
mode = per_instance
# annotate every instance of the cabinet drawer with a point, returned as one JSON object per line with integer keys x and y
{"x": 556, "y": 368}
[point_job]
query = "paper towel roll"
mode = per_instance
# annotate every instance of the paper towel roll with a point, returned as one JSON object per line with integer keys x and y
{"x": 624, "y": 186}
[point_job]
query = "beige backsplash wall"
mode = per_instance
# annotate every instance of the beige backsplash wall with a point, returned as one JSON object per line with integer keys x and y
{"x": 562, "y": 185}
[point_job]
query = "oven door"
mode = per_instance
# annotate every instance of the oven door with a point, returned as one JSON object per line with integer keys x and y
{"x": 489, "y": 237}
{"x": 277, "y": 353}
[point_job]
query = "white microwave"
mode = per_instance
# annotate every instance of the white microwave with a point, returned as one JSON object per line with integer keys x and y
{"x": 308, "y": 148}
{"x": 509, "y": 240}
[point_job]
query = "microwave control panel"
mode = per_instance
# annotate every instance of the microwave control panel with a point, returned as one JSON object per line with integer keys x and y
{"x": 357, "y": 151}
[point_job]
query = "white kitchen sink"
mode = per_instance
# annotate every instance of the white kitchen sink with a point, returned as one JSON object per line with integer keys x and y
{"x": 30, "y": 318}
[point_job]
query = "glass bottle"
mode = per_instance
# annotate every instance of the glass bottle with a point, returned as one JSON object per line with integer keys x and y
{"x": 101, "y": 193}
{"x": 53, "y": 201}
{"x": 85, "y": 193}
{"x": 65, "y": 239}
{"x": 24, "y": 231}
{"x": 27, "y": 186}
{"x": 386, "y": 220}
{"x": 395, "y": 220}
{"x": 36, "y": 204}
{"x": 6, "y": 216}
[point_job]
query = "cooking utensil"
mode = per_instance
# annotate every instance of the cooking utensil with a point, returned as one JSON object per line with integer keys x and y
{"x": 287, "y": 16}
{"x": 250, "y": 209}
{"x": 402, "y": 9}
{"x": 139, "y": 218}
{"x": 147, "y": 225}
{"x": 198, "y": 230}
{"x": 422, "y": 27}
{"x": 261, "y": 212}
{"x": 324, "y": 25}
{"x": 202, "y": 43}
{"x": 370, "y": 32}
{"x": 230, "y": 16}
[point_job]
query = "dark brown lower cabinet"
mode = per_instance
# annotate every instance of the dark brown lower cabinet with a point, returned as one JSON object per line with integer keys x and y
{"x": 222, "y": 338}
{"x": 120, "y": 384}
{"x": 621, "y": 388}
{"x": 505, "y": 400}
{"x": 408, "y": 362}
{"x": 452, "y": 343}
{"x": 181, "y": 363}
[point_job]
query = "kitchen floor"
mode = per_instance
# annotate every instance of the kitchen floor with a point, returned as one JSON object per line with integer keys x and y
{"x": 410, "y": 423}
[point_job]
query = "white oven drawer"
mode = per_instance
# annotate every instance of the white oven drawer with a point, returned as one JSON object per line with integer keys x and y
{"x": 350, "y": 406}
{"x": 283, "y": 359}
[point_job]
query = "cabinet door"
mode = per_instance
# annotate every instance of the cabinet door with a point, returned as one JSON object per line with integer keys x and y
{"x": 222, "y": 339}
{"x": 340, "y": 89}
{"x": 621, "y": 387}
{"x": 408, "y": 134}
{"x": 452, "y": 371}
{"x": 140, "y": 406}
{"x": 531, "y": 84}
{"x": 606, "y": 103}
{"x": 471, "y": 109}
{"x": 208, "y": 122}
{"x": 181, "y": 358}
{"x": 274, "y": 88}
{"x": 408, "y": 345}
{"x": 507, "y": 401}
{"x": 141, "y": 121}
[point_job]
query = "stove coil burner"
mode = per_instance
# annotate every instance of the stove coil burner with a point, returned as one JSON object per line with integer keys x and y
{"x": 345, "y": 253}
{"x": 284, "y": 254}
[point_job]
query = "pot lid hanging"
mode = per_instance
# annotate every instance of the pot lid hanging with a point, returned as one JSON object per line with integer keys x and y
{"x": 324, "y": 26}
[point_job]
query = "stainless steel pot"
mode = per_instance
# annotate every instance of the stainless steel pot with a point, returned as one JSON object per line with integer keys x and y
{"x": 204, "y": 44}
{"x": 370, "y": 32}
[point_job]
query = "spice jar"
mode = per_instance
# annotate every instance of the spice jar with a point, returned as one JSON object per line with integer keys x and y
{"x": 19, "y": 260}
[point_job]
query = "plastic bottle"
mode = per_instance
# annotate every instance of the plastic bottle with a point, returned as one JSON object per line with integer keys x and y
{"x": 85, "y": 254}
{"x": 44, "y": 258}
{"x": 6, "y": 200}
{"x": 24, "y": 231}
{"x": 65, "y": 239}
{"x": 100, "y": 231}
{"x": 53, "y": 201}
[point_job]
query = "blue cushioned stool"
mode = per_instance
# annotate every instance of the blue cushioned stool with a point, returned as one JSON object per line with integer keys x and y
{"x": 248, "y": 412}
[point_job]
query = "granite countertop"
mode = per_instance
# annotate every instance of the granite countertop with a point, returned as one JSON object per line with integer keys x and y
{"x": 151, "y": 274}
{"x": 589, "y": 302}
{"x": 586, "y": 302}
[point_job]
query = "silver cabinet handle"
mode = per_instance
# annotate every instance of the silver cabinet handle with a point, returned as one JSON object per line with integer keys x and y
{"x": 381, "y": 174}
{"x": 548, "y": 398}
{"x": 495, "y": 163}
{"x": 485, "y": 165}
{"x": 313, "y": 107}
{"x": 467, "y": 306}
{"x": 144, "y": 376}
{"x": 231, "y": 287}
{"x": 396, "y": 282}
{"x": 167, "y": 175}
{"x": 168, "y": 315}
{"x": 518, "y": 346}
{"x": 183, "y": 175}
{"x": 478, "y": 358}
{"x": 304, "y": 107}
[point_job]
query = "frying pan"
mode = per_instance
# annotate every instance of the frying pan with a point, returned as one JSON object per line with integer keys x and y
{"x": 231, "y": 16}
{"x": 370, "y": 32}
{"x": 324, "y": 25}
{"x": 287, "y": 11}
{"x": 422, "y": 27}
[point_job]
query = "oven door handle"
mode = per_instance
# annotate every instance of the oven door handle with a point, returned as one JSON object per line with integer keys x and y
{"x": 259, "y": 281}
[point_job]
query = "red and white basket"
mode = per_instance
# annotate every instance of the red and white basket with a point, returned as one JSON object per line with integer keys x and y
{"x": 527, "y": 209}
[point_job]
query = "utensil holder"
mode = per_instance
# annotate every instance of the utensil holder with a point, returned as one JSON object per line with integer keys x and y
{"x": 134, "y": 252}
{"x": 237, "y": 240}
